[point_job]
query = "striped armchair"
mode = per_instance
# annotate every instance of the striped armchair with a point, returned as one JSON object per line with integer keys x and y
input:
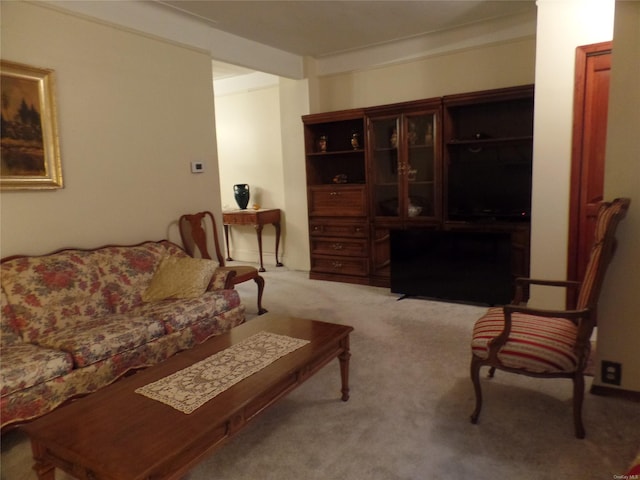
{"x": 546, "y": 343}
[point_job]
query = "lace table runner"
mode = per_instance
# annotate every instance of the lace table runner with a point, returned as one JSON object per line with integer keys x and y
{"x": 190, "y": 388}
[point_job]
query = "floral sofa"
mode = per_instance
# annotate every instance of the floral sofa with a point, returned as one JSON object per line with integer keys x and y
{"x": 76, "y": 320}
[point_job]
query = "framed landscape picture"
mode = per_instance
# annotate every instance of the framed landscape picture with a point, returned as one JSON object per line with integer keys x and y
{"x": 29, "y": 149}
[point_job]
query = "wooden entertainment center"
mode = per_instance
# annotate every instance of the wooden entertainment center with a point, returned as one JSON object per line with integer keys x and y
{"x": 454, "y": 163}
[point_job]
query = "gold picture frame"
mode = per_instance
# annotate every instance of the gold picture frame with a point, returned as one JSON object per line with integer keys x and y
{"x": 29, "y": 146}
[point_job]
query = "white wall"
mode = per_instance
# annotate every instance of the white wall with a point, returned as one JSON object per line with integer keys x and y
{"x": 562, "y": 26}
{"x": 548, "y": 61}
{"x": 260, "y": 142}
{"x": 294, "y": 102}
{"x": 619, "y": 325}
{"x": 250, "y": 151}
{"x": 278, "y": 169}
{"x": 485, "y": 67}
{"x": 133, "y": 112}
{"x": 153, "y": 19}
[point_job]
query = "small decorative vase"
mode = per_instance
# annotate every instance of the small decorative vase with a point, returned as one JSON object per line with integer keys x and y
{"x": 355, "y": 140}
{"x": 412, "y": 135}
{"x": 241, "y": 193}
{"x": 322, "y": 143}
{"x": 428, "y": 137}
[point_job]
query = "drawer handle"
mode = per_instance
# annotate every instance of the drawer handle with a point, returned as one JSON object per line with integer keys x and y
{"x": 358, "y": 229}
{"x": 316, "y": 228}
{"x": 333, "y": 194}
{"x": 336, "y": 264}
{"x": 337, "y": 246}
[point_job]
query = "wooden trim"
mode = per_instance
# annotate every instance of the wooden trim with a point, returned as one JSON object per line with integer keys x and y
{"x": 486, "y": 96}
{"x": 351, "y": 114}
{"x": 66, "y": 249}
{"x": 409, "y": 108}
{"x": 582, "y": 54}
{"x": 601, "y": 390}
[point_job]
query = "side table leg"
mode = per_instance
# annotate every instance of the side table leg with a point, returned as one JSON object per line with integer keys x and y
{"x": 277, "y": 226}
{"x": 226, "y": 239}
{"x": 259, "y": 232}
{"x": 44, "y": 470}
{"x": 344, "y": 368}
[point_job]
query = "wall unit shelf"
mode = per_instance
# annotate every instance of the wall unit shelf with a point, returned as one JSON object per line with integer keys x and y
{"x": 399, "y": 167}
{"x": 337, "y": 196}
{"x": 489, "y": 141}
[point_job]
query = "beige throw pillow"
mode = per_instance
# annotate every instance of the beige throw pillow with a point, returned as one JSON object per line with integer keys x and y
{"x": 180, "y": 277}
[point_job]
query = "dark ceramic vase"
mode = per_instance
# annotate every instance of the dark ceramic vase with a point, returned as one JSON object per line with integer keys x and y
{"x": 241, "y": 192}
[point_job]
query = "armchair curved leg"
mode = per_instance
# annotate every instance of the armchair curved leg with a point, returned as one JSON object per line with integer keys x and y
{"x": 578, "y": 397}
{"x": 476, "y": 363}
{"x": 260, "y": 282}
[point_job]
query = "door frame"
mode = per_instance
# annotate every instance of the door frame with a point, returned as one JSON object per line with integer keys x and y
{"x": 583, "y": 53}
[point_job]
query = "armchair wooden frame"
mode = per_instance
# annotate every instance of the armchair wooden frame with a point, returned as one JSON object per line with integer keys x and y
{"x": 193, "y": 231}
{"x": 583, "y": 315}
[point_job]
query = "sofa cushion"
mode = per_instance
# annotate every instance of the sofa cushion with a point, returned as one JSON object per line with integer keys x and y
{"x": 128, "y": 270}
{"x": 178, "y": 314}
{"x": 180, "y": 277}
{"x": 25, "y": 365}
{"x": 9, "y": 335}
{"x": 536, "y": 344}
{"x": 95, "y": 340}
{"x": 52, "y": 292}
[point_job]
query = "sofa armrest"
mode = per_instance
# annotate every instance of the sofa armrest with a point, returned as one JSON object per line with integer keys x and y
{"x": 222, "y": 280}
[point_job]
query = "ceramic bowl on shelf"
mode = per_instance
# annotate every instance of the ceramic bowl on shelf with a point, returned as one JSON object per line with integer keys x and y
{"x": 414, "y": 210}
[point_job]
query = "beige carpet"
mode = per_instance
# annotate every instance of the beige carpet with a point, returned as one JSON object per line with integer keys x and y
{"x": 411, "y": 397}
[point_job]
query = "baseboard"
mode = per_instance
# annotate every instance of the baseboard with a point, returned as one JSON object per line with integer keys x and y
{"x": 615, "y": 392}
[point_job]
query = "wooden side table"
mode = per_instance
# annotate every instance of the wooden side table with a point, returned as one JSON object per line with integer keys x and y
{"x": 257, "y": 218}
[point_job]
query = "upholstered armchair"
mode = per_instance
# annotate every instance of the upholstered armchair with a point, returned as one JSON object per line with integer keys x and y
{"x": 548, "y": 343}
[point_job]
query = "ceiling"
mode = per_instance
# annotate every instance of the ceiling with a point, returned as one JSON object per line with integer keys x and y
{"x": 321, "y": 28}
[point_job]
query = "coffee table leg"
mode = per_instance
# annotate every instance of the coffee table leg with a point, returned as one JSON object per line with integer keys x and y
{"x": 344, "y": 368}
{"x": 43, "y": 469}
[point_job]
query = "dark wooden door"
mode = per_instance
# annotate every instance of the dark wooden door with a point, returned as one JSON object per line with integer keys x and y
{"x": 593, "y": 64}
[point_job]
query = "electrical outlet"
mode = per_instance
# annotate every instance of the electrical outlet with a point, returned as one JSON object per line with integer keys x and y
{"x": 611, "y": 372}
{"x": 197, "y": 167}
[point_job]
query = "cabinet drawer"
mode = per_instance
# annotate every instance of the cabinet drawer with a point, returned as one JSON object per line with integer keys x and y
{"x": 336, "y": 229}
{"x": 340, "y": 246}
{"x": 337, "y": 200}
{"x": 340, "y": 265}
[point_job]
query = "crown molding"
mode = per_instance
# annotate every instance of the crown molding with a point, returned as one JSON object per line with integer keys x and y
{"x": 161, "y": 23}
{"x": 156, "y": 21}
{"x": 244, "y": 83}
{"x": 490, "y": 32}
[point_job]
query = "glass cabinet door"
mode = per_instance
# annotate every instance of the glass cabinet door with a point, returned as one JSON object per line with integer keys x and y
{"x": 419, "y": 167}
{"x": 387, "y": 169}
{"x": 404, "y": 171}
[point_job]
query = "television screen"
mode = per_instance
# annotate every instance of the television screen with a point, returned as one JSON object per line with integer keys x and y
{"x": 473, "y": 267}
{"x": 489, "y": 183}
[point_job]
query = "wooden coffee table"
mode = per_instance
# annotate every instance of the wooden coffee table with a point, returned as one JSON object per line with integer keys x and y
{"x": 116, "y": 433}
